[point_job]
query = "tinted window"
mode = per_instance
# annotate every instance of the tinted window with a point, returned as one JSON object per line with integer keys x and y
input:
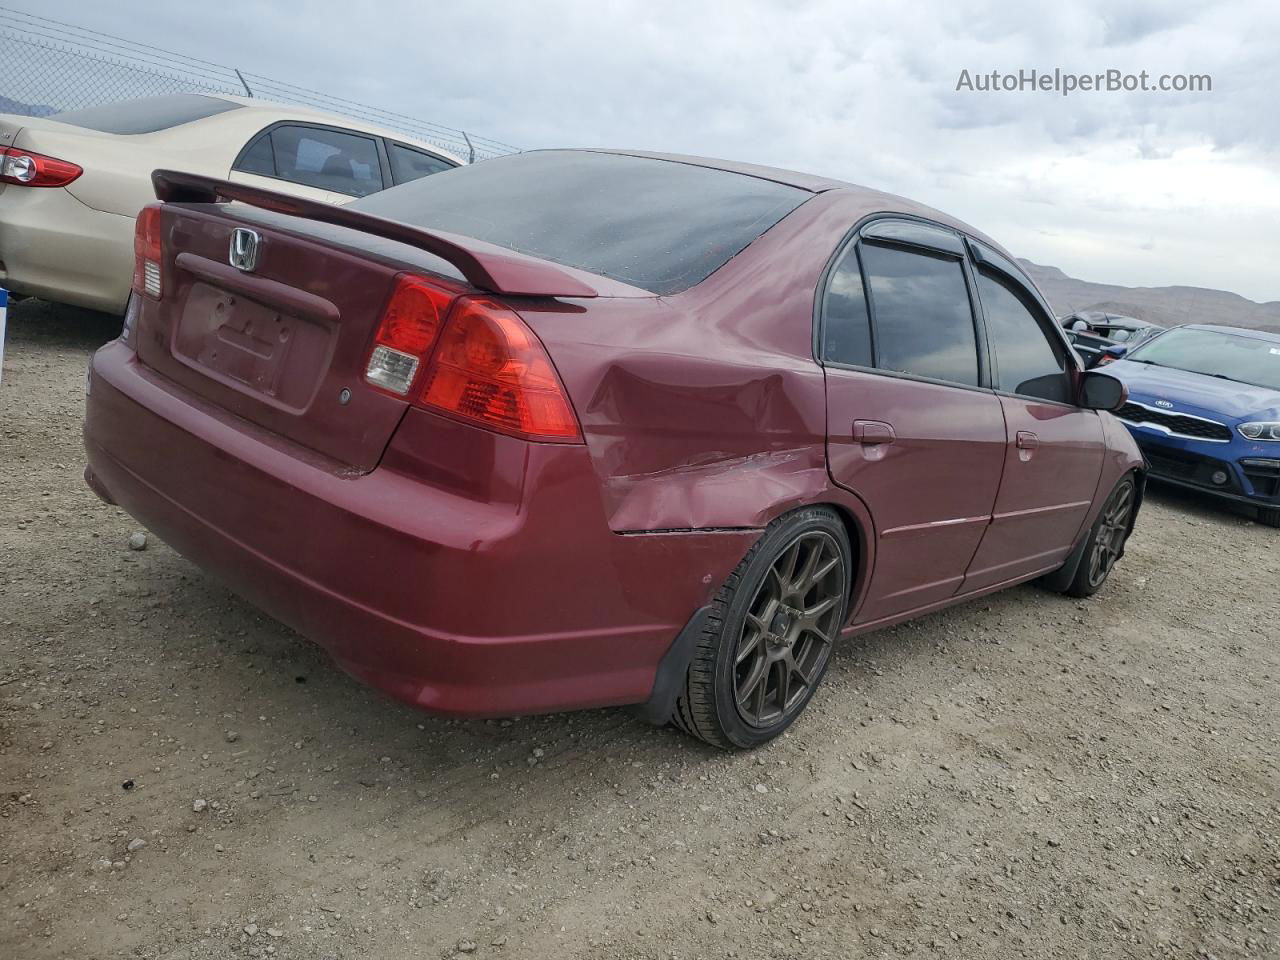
{"x": 147, "y": 115}
{"x": 259, "y": 158}
{"x": 923, "y": 321}
{"x": 656, "y": 224}
{"x": 1241, "y": 358}
{"x": 1026, "y": 362}
{"x": 409, "y": 164}
{"x": 341, "y": 162}
{"x": 846, "y": 331}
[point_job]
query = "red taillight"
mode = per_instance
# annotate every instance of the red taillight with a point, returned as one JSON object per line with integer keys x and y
{"x": 482, "y": 363}
{"x": 27, "y": 169}
{"x": 491, "y": 369}
{"x": 147, "y": 252}
{"x": 407, "y": 333}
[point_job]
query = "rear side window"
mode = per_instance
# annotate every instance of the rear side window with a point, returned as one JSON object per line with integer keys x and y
{"x": 316, "y": 157}
{"x": 922, "y": 315}
{"x": 148, "y": 115}
{"x": 846, "y": 328}
{"x": 259, "y": 158}
{"x": 409, "y": 164}
{"x": 659, "y": 225}
{"x": 1026, "y": 362}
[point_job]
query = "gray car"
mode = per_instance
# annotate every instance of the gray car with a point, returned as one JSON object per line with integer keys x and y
{"x": 1092, "y": 331}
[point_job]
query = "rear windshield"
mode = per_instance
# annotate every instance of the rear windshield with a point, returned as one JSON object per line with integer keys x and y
{"x": 655, "y": 224}
{"x": 148, "y": 115}
{"x": 1243, "y": 359}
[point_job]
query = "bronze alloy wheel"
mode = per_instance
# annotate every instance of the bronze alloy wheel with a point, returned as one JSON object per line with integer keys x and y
{"x": 789, "y": 628}
{"x": 1113, "y": 528}
{"x": 767, "y": 635}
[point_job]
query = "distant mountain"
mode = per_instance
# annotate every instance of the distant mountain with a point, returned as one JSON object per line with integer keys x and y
{"x": 1163, "y": 305}
{"x": 9, "y": 105}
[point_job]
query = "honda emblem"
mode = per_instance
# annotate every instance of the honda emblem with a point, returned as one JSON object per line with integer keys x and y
{"x": 244, "y": 249}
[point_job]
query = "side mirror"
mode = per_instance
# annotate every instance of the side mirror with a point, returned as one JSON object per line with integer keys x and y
{"x": 1101, "y": 391}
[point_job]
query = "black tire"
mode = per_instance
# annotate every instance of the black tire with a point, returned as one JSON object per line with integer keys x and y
{"x": 762, "y": 625}
{"x": 1106, "y": 540}
{"x": 1269, "y": 516}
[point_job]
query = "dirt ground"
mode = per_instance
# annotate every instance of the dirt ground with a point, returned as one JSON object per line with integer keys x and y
{"x": 1026, "y": 775}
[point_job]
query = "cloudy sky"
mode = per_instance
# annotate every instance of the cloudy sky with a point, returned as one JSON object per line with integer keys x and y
{"x": 1135, "y": 188}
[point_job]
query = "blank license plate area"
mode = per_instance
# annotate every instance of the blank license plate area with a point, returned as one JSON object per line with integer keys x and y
{"x": 234, "y": 339}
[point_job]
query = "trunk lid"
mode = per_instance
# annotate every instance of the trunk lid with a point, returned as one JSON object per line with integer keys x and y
{"x": 113, "y": 166}
{"x": 284, "y": 346}
{"x": 283, "y": 342}
{"x": 11, "y": 125}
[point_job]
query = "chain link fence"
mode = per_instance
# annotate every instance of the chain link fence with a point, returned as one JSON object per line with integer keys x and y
{"x": 47, "y": 66}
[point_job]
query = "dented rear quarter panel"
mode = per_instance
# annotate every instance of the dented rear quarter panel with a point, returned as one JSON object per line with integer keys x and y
{"x": 707, "y": 408}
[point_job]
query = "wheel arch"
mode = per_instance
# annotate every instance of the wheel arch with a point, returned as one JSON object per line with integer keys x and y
{"x": 860, "y": 527}
{"x": 856, "y": 519}
{"x": 1060, "y": 579}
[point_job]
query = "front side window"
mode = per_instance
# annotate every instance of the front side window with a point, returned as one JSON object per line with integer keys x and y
{"x": 1026, "y": 362}
{"x": 325, "y": 159}
{"x": 846, "y": 328}
{"x": 922, "y": 317}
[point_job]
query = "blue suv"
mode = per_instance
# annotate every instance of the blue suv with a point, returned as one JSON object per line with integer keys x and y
{"x": 1204, "y": 406}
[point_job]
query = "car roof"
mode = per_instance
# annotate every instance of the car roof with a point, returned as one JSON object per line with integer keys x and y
{"x": 1237, "y": 331}
{"x": 289, "y": 111}
{"x": 790, "y": 178}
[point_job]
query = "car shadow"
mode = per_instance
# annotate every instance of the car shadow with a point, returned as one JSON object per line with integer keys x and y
{"x": 242, "y": 661}
{"x": 39, "y": 322}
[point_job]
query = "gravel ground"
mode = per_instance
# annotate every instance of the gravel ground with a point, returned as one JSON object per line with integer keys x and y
{"x": 1025, "y": 775}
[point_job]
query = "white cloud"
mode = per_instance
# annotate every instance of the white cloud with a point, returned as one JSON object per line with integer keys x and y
{"x": 1132, "y": 188}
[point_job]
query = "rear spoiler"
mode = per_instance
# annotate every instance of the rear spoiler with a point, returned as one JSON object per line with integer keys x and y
{"x": 484, "y": 265}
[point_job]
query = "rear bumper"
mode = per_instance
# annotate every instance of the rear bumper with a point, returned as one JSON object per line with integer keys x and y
{"x": 519, "y": 600}
{"x": 54, "y": 247}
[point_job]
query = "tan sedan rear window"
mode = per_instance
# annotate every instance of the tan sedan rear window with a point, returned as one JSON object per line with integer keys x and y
{"x": 148, "y": 115}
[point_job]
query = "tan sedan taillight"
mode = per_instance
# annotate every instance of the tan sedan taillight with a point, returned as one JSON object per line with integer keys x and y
{"x": 26, "y": 169}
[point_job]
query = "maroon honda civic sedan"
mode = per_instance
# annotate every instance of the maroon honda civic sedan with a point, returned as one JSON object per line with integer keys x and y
{"x": 578, "y": 428}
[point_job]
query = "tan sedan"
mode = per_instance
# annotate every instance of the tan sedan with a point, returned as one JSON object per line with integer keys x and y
{"x": 72, "y": 184}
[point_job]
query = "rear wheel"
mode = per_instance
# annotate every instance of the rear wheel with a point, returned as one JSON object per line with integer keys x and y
{"x": 768, "y": 638}
{"x": 1106, "y": 540}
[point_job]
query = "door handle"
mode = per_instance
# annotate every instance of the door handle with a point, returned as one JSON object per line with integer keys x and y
{"x": 1027, "y": 440}
{"x": 872, "y": 432}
